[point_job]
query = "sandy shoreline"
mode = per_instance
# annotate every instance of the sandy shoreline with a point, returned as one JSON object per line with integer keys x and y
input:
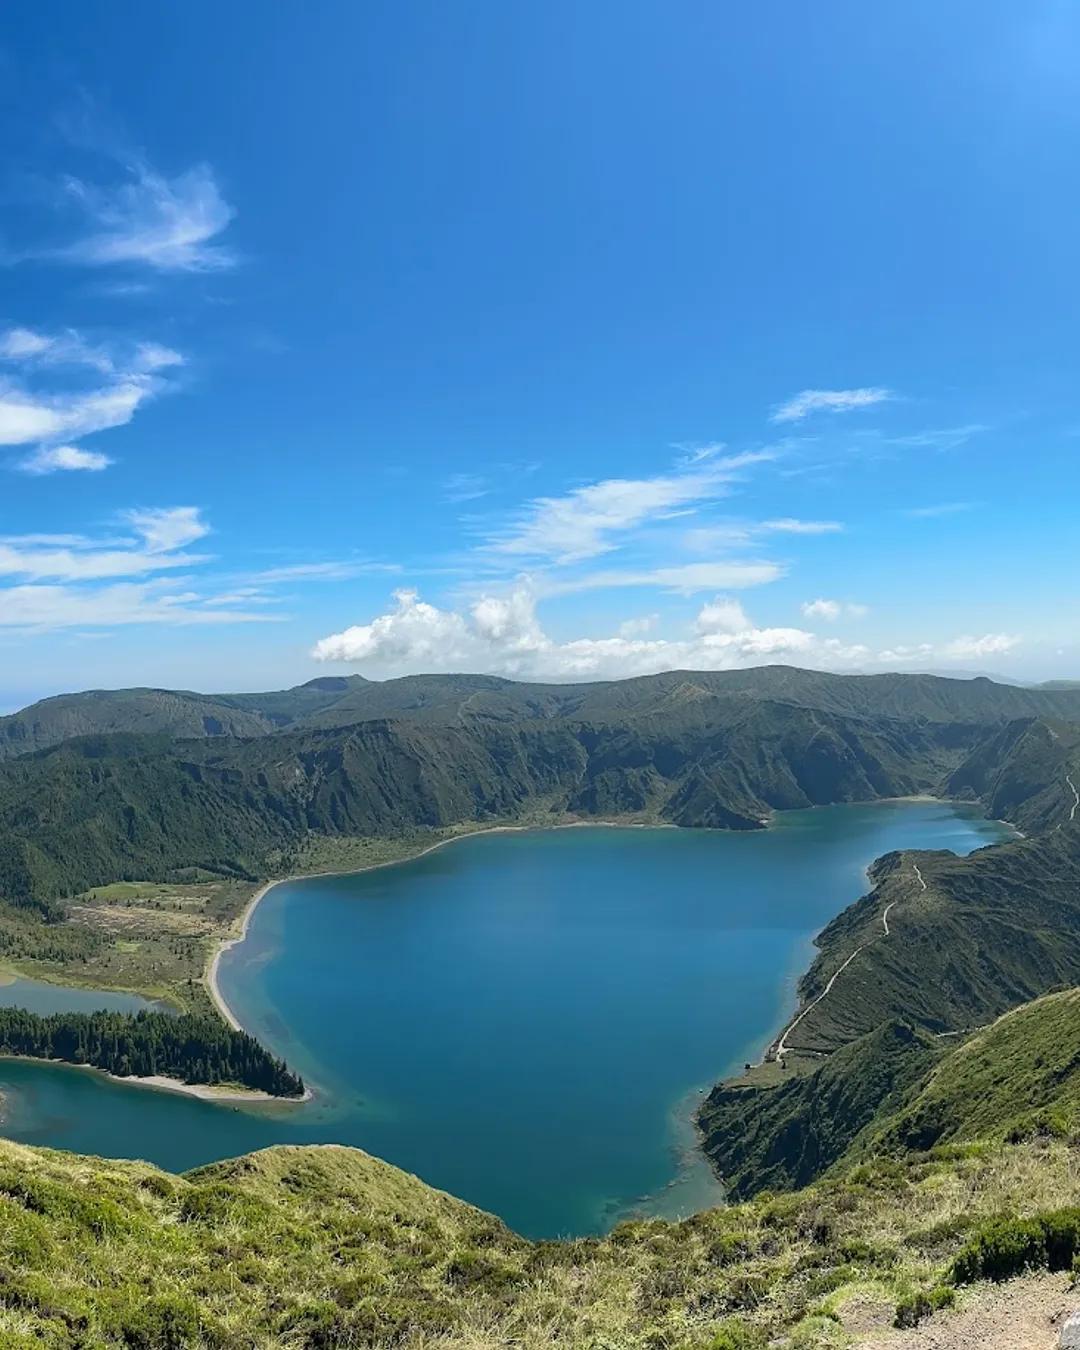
{"x": 208, "y": 1092}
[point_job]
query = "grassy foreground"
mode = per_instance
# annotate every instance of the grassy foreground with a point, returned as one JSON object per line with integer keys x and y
{"x": 327, "y": 1247}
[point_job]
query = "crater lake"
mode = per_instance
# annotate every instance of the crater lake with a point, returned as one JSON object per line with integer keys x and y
{"x": 525, "y": 1019}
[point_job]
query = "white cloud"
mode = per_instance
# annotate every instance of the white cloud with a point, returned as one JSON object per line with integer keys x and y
{"x": 821, "y": 609}
{"x": 50, "y": 403}
{"x": 21, "y": 344}
{"x": 52, "y": 607}
{"x": 684, "y": 579}
{"x": 151, "y": 356}
{"x": 503, "y": 635}
{"x": 632, "y": 628}
{"x": 59, "y": 458}
{"x": 959, "y": 649}
{"x": 320, "y": 571}
{"x": 828, "y": 400}
{"x": 465, "y": 487}
{"x": 164, "y": 529}
{"x": 50, "y": 582}
{"x": 831, "y": 610}
{"x": 972, "y": 648}
{"x": 723, "y": 615}
{"x": 164, "y": 223}
{"x": 946, "y": 438}
{"x": 942, "y": 509}
{"x": 589, "y": 520}
{"x": 789, "y": 526}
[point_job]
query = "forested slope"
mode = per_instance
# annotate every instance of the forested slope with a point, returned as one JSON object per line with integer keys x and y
{"x": 104, "y": 808}
{"x": 338, "y": 701}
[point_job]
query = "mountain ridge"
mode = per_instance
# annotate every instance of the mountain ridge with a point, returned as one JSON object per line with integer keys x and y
{"x": 343, "y": 700}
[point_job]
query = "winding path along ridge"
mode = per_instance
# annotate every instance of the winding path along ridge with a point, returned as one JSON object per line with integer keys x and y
{"x": 782, "y": 1045}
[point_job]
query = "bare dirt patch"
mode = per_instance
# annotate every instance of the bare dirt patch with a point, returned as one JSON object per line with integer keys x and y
{"x": 1024, "y": 1314}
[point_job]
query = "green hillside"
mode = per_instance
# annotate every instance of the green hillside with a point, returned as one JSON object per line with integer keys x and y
{"x": 324, "y": 1247}
{"x": 338, "y": 701}
{"x": 104, "y": 808}
{"x": 191, "y": 800}
{"x": 990, "y": 931}
{"x": 897, "y": 1092}
{"x": 783, "y": 1137}
{"x": 1019, "y": 1075}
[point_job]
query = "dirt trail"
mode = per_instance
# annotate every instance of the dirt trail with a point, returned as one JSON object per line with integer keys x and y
{"x": 782, "y": 1046}
{"x": 1023, "y": 1314}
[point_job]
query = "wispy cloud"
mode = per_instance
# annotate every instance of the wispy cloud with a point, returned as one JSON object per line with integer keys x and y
{"x": 465, "y": 487}
{"x": 53, "y": 607}
{"x": 945, "y": 438}
{"x": 320, "y": 571}
{"x": 941, "y": 509}
{"x": 790, "y": 526}
{"x": 168, "y": 224}
{"x": 590, "y": 520}
{"x": 160, "y": 537}
{"x": 64, "y": 459}
{"x": 63, "y": 387}
{"x": 831, "y": 610}
{"x": 684, "y": 579}
{"x": 828, "y": 400}
{"x": 164, "y": 529}
{"x": 130, "y": 575}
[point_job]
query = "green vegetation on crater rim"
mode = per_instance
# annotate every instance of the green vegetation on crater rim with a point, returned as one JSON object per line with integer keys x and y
{"x": 328, "y": 1247}
{"x": 298, "y": 1248}
{"x": 135, "y": 825}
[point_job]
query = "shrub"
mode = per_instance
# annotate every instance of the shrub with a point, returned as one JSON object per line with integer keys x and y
{"x": 1008, "y": 1247}
{"x": 735, "y": 1334}
{"x": 911, "y": 1311}
{"x": 164, "y": 1323}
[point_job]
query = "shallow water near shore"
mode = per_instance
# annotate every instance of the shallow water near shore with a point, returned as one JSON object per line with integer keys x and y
{"x": 523, "y": 1019}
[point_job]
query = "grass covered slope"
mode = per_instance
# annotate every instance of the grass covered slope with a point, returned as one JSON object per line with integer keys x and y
{"x": 307, "y": 1248}
{"x": 783, "y": 1137}
{"x": 1020, "y": 1075}
{"x": 990, "y": 931}
{"x": 892, "y": 1071}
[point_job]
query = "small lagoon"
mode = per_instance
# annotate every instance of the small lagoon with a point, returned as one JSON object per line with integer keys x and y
{"x": 523, "y": 1019}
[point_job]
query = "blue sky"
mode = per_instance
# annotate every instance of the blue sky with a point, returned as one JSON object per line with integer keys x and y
{"x": 557, "y": 341}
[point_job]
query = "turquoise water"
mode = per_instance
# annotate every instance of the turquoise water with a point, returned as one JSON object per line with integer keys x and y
{"x": 523, "y": 1019}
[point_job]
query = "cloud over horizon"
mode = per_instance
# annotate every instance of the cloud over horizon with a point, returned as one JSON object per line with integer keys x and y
{"x": 502, "y": 635}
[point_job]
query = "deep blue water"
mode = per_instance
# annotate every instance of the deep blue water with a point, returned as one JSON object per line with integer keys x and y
{"x": 523, "y": 1019}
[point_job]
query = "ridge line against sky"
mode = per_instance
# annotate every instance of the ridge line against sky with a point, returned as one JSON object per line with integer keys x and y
{"x": 405, "y": 403}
